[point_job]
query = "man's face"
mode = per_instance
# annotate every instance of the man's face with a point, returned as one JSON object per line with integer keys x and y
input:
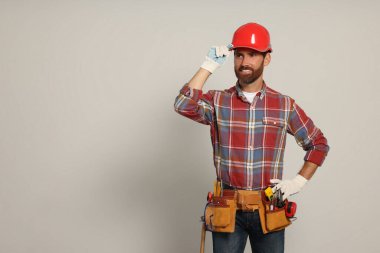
{"x": 249, "y": 65}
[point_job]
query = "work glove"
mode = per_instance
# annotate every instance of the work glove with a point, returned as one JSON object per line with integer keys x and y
{"x": 289, "y": 187}
{"x": 216, "y": 57}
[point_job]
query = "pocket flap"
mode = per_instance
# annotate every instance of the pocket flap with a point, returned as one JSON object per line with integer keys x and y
{"x": 217, "y": 216}
{"x": 276, "y": 220}
{"x": 221, "y": 217}
{"x": 274, "y": 121}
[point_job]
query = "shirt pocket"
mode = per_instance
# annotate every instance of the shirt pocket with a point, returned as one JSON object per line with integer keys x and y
{"x": 274, "y": 132}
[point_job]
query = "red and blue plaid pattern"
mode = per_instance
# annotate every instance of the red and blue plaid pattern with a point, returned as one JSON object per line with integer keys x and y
{"x": 249, "y": 138}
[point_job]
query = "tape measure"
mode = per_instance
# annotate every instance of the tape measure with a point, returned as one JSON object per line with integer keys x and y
{"x": 290, "y": 209}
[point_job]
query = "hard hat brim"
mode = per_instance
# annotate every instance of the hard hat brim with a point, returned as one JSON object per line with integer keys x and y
{"x": 269, "y": 49}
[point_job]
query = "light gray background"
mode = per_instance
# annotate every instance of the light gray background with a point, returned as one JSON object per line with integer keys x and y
{"x": 93, "y": 157}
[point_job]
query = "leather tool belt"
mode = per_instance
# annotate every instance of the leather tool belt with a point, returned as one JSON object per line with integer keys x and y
{"x": 220, "y": 212}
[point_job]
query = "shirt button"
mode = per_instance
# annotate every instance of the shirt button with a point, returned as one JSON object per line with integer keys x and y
{"x": 274, "y": 122}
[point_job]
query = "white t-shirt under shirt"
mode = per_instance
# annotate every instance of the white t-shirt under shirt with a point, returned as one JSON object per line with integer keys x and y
{"x": 250, "y": 95}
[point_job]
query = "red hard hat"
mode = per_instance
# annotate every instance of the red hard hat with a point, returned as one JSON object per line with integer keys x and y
{"x": 252, "y": 35}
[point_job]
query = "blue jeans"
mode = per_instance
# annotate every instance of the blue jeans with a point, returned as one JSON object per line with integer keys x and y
{"x": 248, "y": 224}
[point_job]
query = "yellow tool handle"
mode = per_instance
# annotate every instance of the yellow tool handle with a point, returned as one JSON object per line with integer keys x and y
{"x": 217, "y": 188}
{"x": 269, "y": 193}
{"x": 203, "y": 238}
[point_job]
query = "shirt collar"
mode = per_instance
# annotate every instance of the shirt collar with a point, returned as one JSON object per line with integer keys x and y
{"x": 260, "y": 94}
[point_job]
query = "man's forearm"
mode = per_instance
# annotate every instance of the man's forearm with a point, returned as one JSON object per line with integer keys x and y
{"x": 199, "y": 79}
{"x": 308, "y": 170}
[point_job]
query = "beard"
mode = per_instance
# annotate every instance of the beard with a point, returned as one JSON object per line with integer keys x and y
{"x": 248, "y": 78}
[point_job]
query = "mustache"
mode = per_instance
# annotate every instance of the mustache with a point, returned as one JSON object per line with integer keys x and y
{"x": 245, "y": 68}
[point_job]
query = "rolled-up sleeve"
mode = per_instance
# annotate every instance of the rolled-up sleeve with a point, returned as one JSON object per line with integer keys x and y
{"x": 195, "y": 105}
{"x": 308, "y": 136}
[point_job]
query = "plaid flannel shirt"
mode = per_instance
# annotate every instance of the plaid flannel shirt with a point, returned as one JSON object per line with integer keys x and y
{"x": 249, "y": 138}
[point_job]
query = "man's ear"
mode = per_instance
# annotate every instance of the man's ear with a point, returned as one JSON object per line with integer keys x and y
{"x": 267, "y": 59}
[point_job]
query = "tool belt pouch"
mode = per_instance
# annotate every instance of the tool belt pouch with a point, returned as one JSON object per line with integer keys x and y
{"x": 272, "y": 220}
{"x": 220, "y": 213}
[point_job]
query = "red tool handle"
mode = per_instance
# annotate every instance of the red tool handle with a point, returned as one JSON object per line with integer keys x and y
{"x": 209, "y": 197}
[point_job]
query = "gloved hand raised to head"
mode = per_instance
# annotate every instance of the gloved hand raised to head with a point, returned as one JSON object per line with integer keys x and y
{"x": 289, "y": 187}
{"x": 216, "y": 57}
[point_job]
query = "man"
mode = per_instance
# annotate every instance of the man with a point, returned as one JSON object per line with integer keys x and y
{"x": 248, "y": 124}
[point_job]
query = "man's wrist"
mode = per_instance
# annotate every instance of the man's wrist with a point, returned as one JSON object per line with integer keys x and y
{"x": 210, "y": 65}
{"x": 199, "y": 79}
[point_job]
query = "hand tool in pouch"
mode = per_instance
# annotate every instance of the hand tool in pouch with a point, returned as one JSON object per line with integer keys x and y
{"x": 274, "y": 216}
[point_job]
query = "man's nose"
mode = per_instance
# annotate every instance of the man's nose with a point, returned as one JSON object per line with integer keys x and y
{"x": 245, "y": 62}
